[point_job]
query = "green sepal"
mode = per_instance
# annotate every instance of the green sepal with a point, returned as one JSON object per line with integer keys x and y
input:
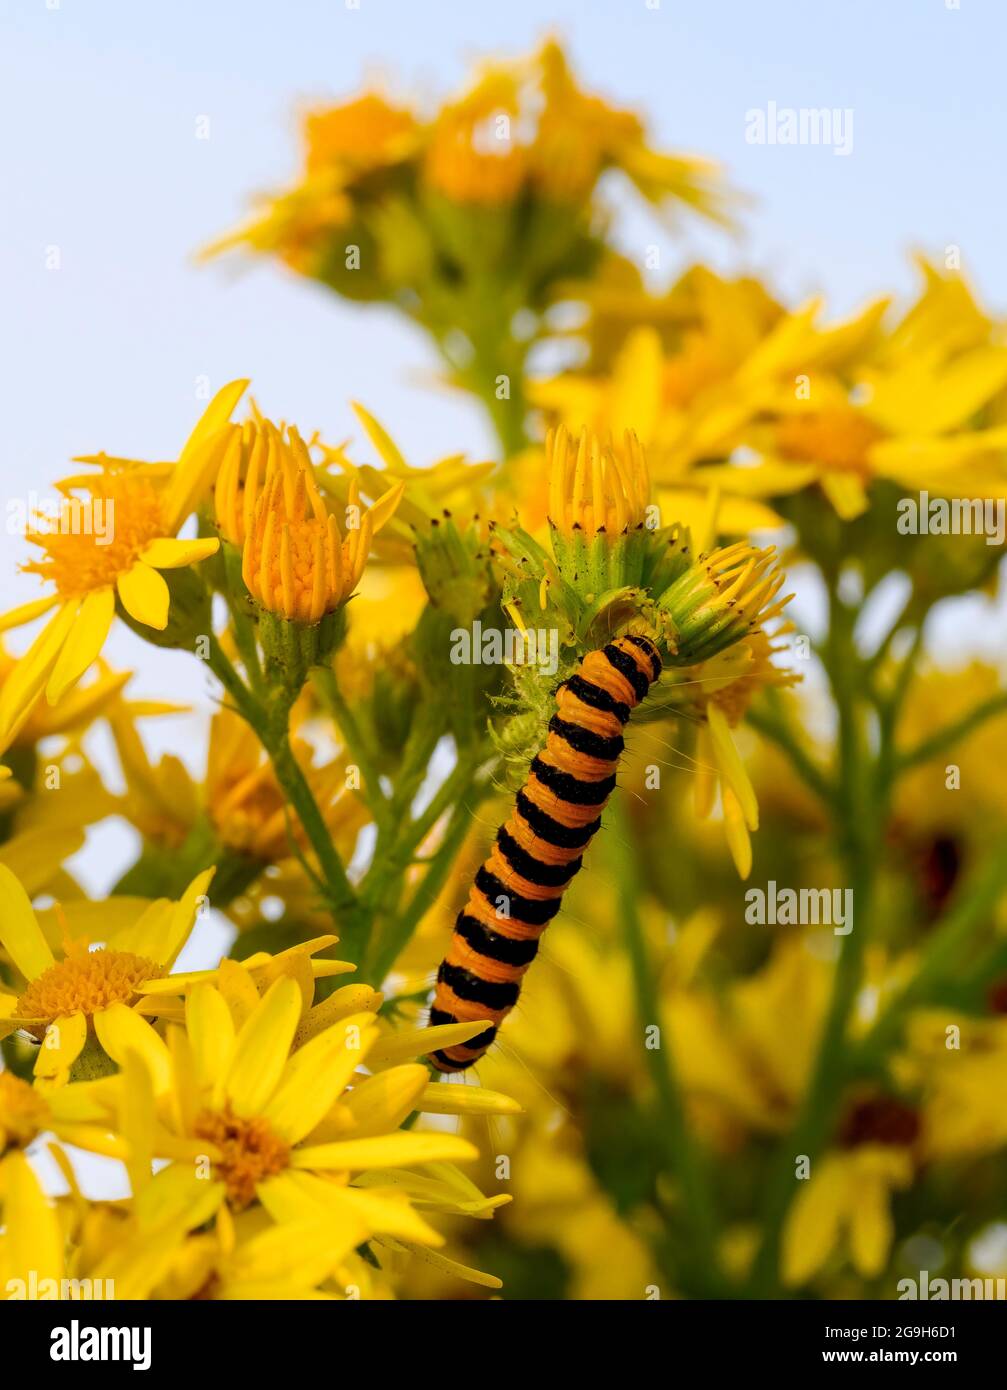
{"x": 291, "y": 648}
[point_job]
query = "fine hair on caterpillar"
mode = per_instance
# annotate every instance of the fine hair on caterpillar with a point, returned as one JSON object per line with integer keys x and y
{"x": 519, "y": 887}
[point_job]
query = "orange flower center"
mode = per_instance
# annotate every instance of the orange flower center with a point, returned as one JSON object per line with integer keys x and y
{"x": 98, "y": 536}
{"x": 835, "y": 439}
{"x": 86, "y": 983}
{"x": 246, "y": 1152}
{"x": 23, "y": 1112}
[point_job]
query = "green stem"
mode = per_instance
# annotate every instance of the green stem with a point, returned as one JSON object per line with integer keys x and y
{"x": 324, "y": 681}
{"x": 771, "y": 726}
{"x": 399, "y": 932}
{"x": 244, "y": 637}
{"x": 383, "y": 892}
{"x": 858, "y": 816}
{"x": 697, "y": 1203}
{"x": 271, "y": 726}
{"x": 952, "y": 732}
{"x": 876, "y": 658}
{"x": 495, "y": 354}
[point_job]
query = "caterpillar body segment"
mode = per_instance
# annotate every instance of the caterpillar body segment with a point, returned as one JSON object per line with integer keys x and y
{"x": 539, "y": 848}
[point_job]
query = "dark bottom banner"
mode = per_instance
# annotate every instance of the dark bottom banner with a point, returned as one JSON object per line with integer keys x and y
{"x": 78, "y": 1337}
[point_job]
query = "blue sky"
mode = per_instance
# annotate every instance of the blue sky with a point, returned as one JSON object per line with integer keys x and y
{"x": 100, "y": 158}
{"x": 99, "y": 104}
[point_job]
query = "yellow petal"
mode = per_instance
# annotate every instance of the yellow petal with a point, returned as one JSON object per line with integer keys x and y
{"x": 121, "y": 1030}
{"x": 450, "y": 1098}
{"x": 814, "y": 1221}
{"x": 847, "y": 494}
{"x": 137, "y": 1117}
{"x": 871, "y": 1228}
{"x": 261, "y": 1049}
{"x": 404, "y": 1044}
{"x": 317, "y": 1074}
{"x": 305, "y": 1251}
{"x": 216, "y": 415}
{"x": 84, "y": 643}
{"x": 184, "y": 915}
{"x": 33, "y": 855}
{"x": 382, "y": 440}
{"x": 19, "y": 931}
{"x": 442, "y": 1263}
{"x": 211, "y": 1032}
{"x": 26, "y": 682}
{"x": 385, "y": 1151}
{"x": 27, "y": 612}
{"x": 384, "y": 508}
{"x": 144, "y": 595}
{"x": 296, "y": 1196}
{"x": 63, "y": 1043}
{"x": 376, "y": 1105}
{"x": 177, "y": 1195}
{"x": 169, "y": 554}
{"x": 351, "y": 999}
{"x": 732, "y": 769}
{"x": 33, "y": 1240}
{"x": 704, "y": 780}
{"x": 738, "y": 840}
{"x": 637, "y": 384}
{"x": 238, "y": 988}
{"x": 201, "y": 456}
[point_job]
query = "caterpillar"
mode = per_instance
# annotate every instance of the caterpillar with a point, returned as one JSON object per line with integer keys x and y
{"x": 538, "y": 850}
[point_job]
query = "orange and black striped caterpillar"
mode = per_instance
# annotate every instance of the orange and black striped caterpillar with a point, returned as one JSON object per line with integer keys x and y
{"x": 519, "y": 888}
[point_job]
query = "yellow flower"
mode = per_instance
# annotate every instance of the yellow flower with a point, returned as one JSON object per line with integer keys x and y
{"x": 960, "y": 1065}
{"x": 687, "y": 403}
{"x": 78, "y": 1115}
{"x": 239, "y": 794}
{"x": 110, "y": 544}
{"x": 295, "y": 561}
{"x": 721, "y": 691}
{"x": 450, "y": 483}
{"x": 343, "y": 146}
{"x": 595, "y": 489}
{"x": 262, "y": 1105}
{"x": 162, "y": 1256}
{"x": 735, "y": 1062}
{"x": 473, "y": 154}
{"x": 242, "y": 984}
{"x": 358, "y": 136}
{"x": 576, "y": 134}
{"x": 845, "y": 1202}
{"x": 578, "y": 137}
{"x": 66, "y": 1002}
{"x": 727, "y": 396}
{"x": 246, "y": 805}
{"x": 73, "y": 712}
{"x": 938, "y": 697}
